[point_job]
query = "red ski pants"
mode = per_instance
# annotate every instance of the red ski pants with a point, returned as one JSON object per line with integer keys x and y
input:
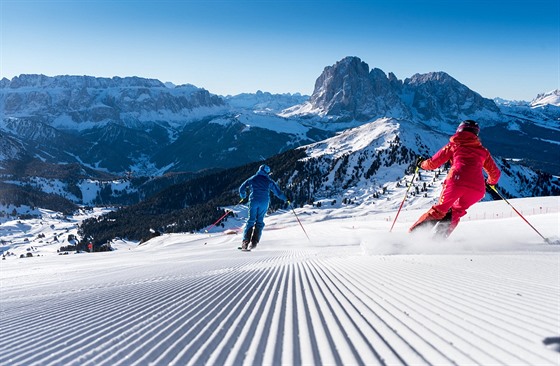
{"x": 455, "y": 198}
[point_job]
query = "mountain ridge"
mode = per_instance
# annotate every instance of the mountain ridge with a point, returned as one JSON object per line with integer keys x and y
{"x": 146, "y": 128}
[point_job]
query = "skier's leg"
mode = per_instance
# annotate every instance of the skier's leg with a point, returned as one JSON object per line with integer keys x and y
{"x": 249, "y": 225}
{"x": 438, "y": 211}
{"x": 259, "y": 224}
{"x": 459, "y": 209}
{"x": 428, "y": 219}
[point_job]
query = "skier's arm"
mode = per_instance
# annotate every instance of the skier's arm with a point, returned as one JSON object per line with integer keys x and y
{"x": 492, "y": 170}
{"x": 439, "y": 158}
{"x": 277, "y": 192}
{"x": 243, "y": 189}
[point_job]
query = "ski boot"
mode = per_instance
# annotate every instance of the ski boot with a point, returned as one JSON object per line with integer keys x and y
{"x": 254, "y": 244}
{"x": 441, "y": 228}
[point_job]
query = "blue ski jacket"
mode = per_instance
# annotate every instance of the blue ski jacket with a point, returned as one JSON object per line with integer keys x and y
{"x": 260, "y": 185}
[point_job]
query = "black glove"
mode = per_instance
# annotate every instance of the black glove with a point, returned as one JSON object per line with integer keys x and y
{"x": 419, "y": 161}
{"x": 490, "y": 187}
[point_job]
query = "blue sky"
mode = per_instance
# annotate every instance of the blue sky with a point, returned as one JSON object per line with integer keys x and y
{"x": 508, "y": 49}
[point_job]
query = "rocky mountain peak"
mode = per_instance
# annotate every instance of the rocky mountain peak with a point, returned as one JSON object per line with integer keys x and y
{"x": 436, "y": 96}
{"x": 349, "y": 91}
{"x": 336, "y": 77}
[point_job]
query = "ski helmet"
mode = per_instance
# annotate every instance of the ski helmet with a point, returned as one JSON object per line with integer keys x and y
{"x": 469, "y": 125}
{"x": 265, "y": 168}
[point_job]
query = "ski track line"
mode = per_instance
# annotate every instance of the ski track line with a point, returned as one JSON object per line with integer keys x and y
{"x": 351, "y": 323}
{"x": 187, "y": 334}
{"x": 506, "y": 298}
{"x": 302, "y": 306}
{"x": 162, "y": 332}
{"x": 325, "y": 329}
{"x": 347, "y": 318}
{"x": 340, "y": 289}
{"x": 72, "y": 331}
{"x": 422, "y": 313}
{"x": 223, "y": 334}
{"x": 488, "y": 323}
{"x": 56, "y": 319}
{"x": 188, "y": 346}
{"x": 504, "y": 302}
{"x": 397, "y": 321}
{"x": 484, "y": 325}
{"x": 505, "y": 295}
{"x": 98, "y": 314}
{"x": 261, "y": 319}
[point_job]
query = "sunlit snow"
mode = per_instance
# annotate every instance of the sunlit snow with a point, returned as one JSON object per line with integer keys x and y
{"x": 352, "y": 293}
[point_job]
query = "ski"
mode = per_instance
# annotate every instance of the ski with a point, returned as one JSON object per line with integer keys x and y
{"x": 244, "y": 250}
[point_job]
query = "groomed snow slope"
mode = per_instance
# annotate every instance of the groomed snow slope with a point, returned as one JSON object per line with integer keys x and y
{"x": 352, "y": 294}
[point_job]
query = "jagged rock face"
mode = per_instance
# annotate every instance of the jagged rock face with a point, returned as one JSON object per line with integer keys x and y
{"x": 349, "y": 91}
{"x": 124, "y": 124}
{"x": 107, "y": 123}
{"x": 91, "y": 99}
{"x": 71, "y": 81}
{"x": 438, "y": 96}
{"x": 31, "y": 129}
{"x": 340, "y": 86}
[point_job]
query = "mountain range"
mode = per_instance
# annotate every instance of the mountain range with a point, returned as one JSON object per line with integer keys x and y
{"x": 126, "y": 139}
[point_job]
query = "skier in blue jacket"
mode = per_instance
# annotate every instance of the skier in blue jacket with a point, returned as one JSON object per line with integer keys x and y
{"x": 260, "y": 186}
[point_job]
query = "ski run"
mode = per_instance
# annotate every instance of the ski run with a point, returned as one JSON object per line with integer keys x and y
{"x": 351, "y": 294}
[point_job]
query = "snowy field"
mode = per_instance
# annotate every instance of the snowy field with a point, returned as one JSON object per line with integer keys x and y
{"x": 352, "y": 294}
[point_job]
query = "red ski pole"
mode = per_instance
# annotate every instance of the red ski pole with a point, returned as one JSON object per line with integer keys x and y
{"x": 404, "y": 199}
{"x": 300, "y": 224}
{"x": 221, "y": 218}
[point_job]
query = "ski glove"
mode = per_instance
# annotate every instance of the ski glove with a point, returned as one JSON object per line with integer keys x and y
{"x": 419, "y": 161}
{"x": 490, "y": 187}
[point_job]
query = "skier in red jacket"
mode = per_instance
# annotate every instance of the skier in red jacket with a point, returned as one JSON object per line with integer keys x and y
{"x": 464, "y": 185}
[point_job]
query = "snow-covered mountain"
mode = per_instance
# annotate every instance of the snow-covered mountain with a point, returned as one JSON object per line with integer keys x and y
{"x": 147, "y": 128}
{"x": 349, "y": 91}
{"x": 352, "y": 294}
{"x": 142, "y": 125}
{"x": 544, "y": 110}
{"x": 363, "y": 162}
{"x": 264, "y": 102}
{"x": 108, "y": 124}
{"x": 349, "y": 94}
{"x": 82, "y": 102}
{"x": 550, "y": 98}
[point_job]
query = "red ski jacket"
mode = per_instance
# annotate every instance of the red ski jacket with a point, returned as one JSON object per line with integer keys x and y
{"x": 468, "y": 159}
